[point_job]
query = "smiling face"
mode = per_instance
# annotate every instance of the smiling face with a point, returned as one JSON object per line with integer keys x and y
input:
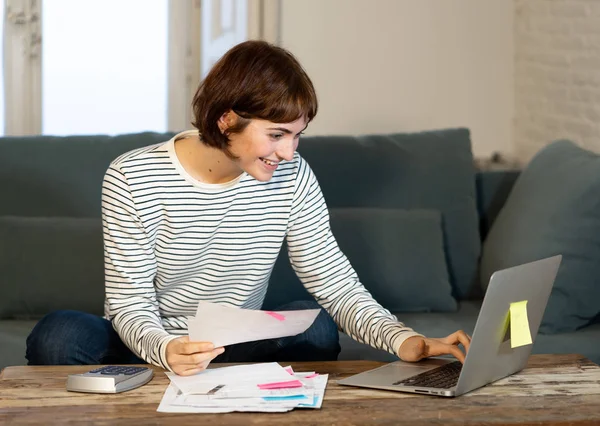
{"x": 246, "y": 111}
{"x": 262, "y": 145}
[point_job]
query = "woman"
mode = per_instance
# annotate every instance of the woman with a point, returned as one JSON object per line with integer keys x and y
{"x": 203, "y": 217}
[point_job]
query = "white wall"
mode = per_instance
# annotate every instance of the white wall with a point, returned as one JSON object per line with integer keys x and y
{"x": 557, "y": 77}
{"x": 403, "y": 65}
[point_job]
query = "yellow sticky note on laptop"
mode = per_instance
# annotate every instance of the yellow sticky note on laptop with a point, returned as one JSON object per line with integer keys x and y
{"x": 519, "y": 325}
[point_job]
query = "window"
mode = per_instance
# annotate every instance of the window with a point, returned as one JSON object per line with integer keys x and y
{"x": 104, "y": 66}
{"x": 115, "y": 66}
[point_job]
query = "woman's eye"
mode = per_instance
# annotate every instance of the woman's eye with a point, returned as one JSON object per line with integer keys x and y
{"x": 299, "y": 134}
{"x": 277, "y": 136}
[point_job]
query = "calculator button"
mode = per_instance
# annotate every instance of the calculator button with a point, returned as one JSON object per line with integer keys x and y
{"x": 117, "y": 370}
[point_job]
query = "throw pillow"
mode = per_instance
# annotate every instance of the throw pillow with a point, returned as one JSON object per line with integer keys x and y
{"x": 50, "y": 263}
{"x": 554, "y": 208}
{"x": 427, "y": 170}
{"x": 398, "y": 256}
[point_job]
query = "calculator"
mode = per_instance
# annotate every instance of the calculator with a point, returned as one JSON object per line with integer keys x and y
{"x": 109, "y": 379}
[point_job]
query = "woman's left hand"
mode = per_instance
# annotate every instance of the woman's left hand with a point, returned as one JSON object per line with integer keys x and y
{"x": 416, "y": 348}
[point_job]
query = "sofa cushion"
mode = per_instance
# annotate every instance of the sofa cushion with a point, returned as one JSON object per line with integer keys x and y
{"x": 50, "y": 263}
{"x": 60, "y": 175}
{"x": 13, "y": 336}
{"x": 554, "y": 208}
{"x": 428, "y": 170}
{"x": 398, "y": 256}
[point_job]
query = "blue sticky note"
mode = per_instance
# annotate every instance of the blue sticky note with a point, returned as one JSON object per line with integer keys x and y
{"x": 283, "y": 398}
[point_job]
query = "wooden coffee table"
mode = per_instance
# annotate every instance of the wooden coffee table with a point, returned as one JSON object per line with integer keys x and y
{"x": 552, "y": 390}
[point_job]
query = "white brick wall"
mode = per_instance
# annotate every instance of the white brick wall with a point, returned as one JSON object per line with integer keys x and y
{"x": 557, "y": 74}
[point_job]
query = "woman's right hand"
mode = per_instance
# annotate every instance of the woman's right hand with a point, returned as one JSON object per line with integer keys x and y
{"x": 186, "y": 358}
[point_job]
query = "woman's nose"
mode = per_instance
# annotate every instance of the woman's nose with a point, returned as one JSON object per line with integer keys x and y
{"x": 286, "y": 149}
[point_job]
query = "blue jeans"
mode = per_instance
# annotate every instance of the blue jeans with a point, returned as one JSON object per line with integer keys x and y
{"x": 72, "y": 337}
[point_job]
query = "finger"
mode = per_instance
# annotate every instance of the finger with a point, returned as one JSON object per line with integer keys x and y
{"x": 458, "y": 337}
{"x": 183, "y": 361}
{"x": 204, "y": 364}
{"x": 191, "y": 360}
{"x": 218, "y": 351}
{"x": 189, "y": 348}
{"x": 190, "y": 371}
{"x": 183, "y": 370}
{"x": 206, "y": 357}
{"x": 185, "y": 342}
{"x": 464, "y": 339}
{"x": 456, "y": 352}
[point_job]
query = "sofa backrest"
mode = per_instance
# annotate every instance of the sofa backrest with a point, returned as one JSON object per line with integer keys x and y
{"x": 493, "y": 188}
{"x": 428, "y": 170}
{"x": 51, "y": 251}
{"x": 48, "y": 176}
{"x": 50, "y": 230}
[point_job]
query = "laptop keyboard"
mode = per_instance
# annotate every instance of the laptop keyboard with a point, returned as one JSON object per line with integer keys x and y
{"x": 443, "y": 377}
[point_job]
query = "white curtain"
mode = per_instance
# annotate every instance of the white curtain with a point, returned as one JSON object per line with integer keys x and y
{"x": 22, "y": 67}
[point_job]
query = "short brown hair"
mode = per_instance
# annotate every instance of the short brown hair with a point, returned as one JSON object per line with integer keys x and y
{"x": 255, "y": 79}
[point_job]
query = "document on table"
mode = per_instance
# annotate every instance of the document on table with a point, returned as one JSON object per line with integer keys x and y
{"x": 265, "y": 387}
{"x": 224, "y": 325}
{"x": 207, "y": 380}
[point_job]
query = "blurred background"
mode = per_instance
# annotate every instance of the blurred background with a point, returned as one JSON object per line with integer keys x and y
{"x": 518, "y": 73}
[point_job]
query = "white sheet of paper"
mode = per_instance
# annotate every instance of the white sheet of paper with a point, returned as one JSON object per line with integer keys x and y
{"x": 175, "y": 401}
{"x": 249, "y": 392}
{"x": 318, "y": 385}
{"x": 224, "y": 325}
{"x": 171, "y": 393}
{"x": 238, "y": 375}
{"x": 209, "y": 401}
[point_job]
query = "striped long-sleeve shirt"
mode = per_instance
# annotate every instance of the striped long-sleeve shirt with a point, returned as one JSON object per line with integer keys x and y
{"x": 171, "y": 241}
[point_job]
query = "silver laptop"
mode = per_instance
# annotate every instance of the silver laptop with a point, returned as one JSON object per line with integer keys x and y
{"x": 491, "y": 356}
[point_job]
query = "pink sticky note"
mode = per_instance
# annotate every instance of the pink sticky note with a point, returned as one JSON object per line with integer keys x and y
{"x": 275, "y": 315}
{"x": 289, "y": 370}
{"x": 312, "y": 376}
{"x": 281, "y": 385}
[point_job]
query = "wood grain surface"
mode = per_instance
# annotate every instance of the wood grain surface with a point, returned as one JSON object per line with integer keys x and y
{"x": 553, "y": 390}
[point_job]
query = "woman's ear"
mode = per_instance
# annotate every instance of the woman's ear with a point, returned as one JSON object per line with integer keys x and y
{"x": 226, "y": 121}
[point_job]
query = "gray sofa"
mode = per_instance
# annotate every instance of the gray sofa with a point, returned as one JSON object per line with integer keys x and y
{"x": 411, "y": 212}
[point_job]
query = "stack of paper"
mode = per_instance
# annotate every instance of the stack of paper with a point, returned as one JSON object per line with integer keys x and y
{"x": 266, "y": 387}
